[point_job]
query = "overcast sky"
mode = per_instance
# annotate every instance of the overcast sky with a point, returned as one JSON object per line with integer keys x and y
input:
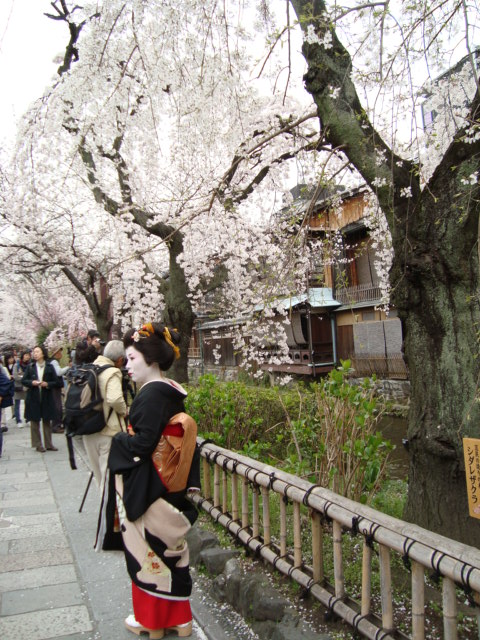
{"x": 29, "y": 42}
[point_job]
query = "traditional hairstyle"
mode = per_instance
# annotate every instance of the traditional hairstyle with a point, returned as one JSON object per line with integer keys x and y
{"x": 156, "y": 343}
{"x": 85, "y": 353}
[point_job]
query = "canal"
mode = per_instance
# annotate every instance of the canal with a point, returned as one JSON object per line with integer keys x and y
{"x": 394, "y": 429}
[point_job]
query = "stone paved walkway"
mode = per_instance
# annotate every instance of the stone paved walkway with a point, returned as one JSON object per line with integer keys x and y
{"x": 52, "y": 583}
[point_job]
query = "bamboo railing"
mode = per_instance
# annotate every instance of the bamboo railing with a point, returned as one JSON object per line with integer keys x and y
{"x": 239, "y": 493}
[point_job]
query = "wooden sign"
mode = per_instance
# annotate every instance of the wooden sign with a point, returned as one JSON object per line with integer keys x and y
{"x": 471, "y": 452}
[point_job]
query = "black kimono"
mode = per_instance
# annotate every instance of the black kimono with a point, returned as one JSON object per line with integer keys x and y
{"x": 153, "y": 522}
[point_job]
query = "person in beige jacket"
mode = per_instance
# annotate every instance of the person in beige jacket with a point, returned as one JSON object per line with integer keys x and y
{"x": 97, "y": 445}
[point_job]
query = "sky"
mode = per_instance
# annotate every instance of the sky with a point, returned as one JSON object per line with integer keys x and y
{"x": 29, "y": 43}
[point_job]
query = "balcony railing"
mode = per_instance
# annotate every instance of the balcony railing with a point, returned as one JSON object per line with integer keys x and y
{"x": 359, "y": 293}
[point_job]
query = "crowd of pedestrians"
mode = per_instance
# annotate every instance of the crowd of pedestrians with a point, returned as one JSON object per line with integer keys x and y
{"x": 32, "y": 383}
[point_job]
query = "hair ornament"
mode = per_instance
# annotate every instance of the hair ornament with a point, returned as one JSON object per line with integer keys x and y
{"x": 146, "y": 331}
{"x": 168, "y": 339}
{"x": 136, "y": 336}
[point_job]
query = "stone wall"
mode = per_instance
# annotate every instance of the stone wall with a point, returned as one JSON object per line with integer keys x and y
{"x": 396, "y": 391}
{"x": 224, "y": 374}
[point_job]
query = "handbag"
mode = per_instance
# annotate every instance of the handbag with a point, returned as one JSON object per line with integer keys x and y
{"x": 173, "y": 454}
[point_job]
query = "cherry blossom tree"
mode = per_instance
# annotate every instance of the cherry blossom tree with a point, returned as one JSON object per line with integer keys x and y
{"x": 155, "y": 113}
{"x": 51, "y": 227}
{"x": 40, "y": 305}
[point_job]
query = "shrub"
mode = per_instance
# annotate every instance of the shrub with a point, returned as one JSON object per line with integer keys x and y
{"x": 326, "y": 432}
{"x": 235, "y": 414}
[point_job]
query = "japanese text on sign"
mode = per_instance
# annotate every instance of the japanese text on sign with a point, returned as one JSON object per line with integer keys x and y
{"x": 471, "y": 452}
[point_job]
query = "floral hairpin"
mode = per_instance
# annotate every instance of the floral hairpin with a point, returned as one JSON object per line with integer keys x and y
{"x": 145, "y": 331}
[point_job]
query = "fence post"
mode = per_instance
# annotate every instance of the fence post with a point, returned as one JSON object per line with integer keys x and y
{"x": 266, "y": 515}
{"x": 386, "y": 587}
{"x": 317, "y": 546}
{"x": 283, "y": 527}
{"x": 338, "y": 560}
{"x": 449, "y": 610}
{"x": 224, "y": 491}
{"x": 244, "y": 503}
{"x": 235, "y": 496}
{"x": 297, "y": 535}
{"x": 206, "y": 479}
{"x": 216, "y": 485}
{"x": 418, "y": 601}
{"x": 255, "y": 512}
{"x": 366, "y": 578}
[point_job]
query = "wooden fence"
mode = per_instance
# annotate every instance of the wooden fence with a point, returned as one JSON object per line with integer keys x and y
{"x": 391, "y": 366}
{"x": 302, "y": 530}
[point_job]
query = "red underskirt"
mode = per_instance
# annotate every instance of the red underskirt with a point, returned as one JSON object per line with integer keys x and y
{"x": 158, "y": 613}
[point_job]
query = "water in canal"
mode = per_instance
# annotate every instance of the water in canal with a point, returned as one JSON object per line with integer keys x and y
{"x": 395, "y": 429}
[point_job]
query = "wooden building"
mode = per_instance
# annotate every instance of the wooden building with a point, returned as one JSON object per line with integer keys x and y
{"x": 338, "y": 319}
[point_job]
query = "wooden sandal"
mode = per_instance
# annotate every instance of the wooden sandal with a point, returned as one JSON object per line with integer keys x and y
{"x": 135, "y": 627}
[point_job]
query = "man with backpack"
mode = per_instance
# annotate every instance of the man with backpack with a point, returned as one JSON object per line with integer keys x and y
{"x": 97, "y": 445}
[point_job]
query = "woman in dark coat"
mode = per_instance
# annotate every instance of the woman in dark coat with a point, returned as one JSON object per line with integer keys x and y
{"x": 40, "y": 378}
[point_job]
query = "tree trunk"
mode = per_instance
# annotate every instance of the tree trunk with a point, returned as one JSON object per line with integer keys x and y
{"x": 99, "y": 305}
{"x": 435, "y": 285}
{"x": 178, "y": 312}
{"x": 104, "y": 322}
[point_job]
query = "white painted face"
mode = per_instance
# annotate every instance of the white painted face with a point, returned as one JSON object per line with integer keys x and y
{"x": 136, "y": 366}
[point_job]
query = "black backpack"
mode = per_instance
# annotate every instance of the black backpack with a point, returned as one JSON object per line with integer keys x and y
{"x": 83, "y": 410}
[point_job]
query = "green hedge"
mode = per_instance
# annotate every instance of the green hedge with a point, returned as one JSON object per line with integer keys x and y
{"x": 325, "y": 432}
{"x": 236, "y": 415}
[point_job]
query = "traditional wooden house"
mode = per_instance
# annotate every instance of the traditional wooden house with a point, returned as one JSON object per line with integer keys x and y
{"x": 367, "y": 334}
{"x": 338, "y": 316}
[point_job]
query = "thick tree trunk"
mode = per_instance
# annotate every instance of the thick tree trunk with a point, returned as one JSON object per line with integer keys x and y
{"x": 104, "y": 322}
{"x": 436, "y": 292}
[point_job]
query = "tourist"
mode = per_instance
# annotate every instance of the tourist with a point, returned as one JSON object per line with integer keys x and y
{"x": 40, "y": 378}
